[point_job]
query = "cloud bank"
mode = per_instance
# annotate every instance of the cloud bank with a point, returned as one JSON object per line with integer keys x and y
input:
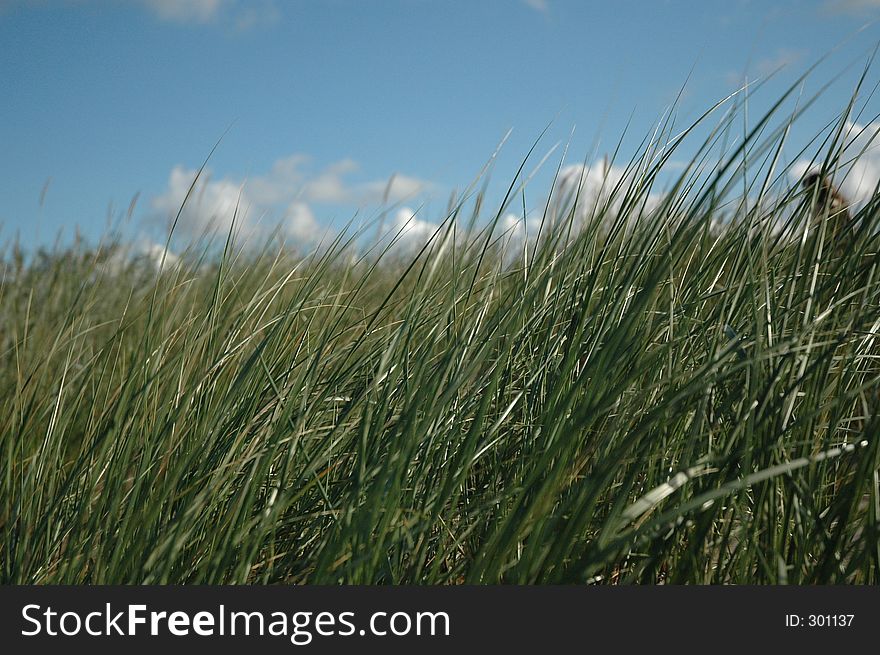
{"x": 858, "y": 176}
{"x": 852, "y": 6}
{"x": 598, "y": 187}
{"x": 241, "y": 15}
{"x": 411, "y": 231}
{"x": 284, "y": 196}
{"x": 187, "y": 11}
{"x": 538, "y": 5}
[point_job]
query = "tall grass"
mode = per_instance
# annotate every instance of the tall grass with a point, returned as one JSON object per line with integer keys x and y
{"x": 681, "y": 393}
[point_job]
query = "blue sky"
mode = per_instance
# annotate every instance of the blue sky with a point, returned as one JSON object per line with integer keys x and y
{"x": 325, "y": 100}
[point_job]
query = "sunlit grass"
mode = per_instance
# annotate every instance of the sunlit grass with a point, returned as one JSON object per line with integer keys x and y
{"x": 686, "y": 394}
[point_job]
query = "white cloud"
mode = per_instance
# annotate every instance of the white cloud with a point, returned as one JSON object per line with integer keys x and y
{"x": 396, "y": 189}
{"x": 859, "y": 173}
{"x": 512, "y": 226}
{"x": 287, "y": 191}
{"x": 281, "y": 183}
{"x": 186, "y": 11}
{"x": 300, "y": 223}
{"x": 330, "y": 186}
{"x": 241, "y": 15}
{"x": 256, "y": 16}
{"x": 139, "y": 253}
{"x": 599, "y": 187}
{"x": 157, "y": 255}
{"x": 781, "y": 59}
{"x": 513, "y": 233}
{"x": 852, "y": 6}
{"x": 210, "y": 206}
{"x": 513, "y": 230}
{"x": 862, "y": 179}
{"x": 538, "y": 5}
{"x": 412, "y": 231}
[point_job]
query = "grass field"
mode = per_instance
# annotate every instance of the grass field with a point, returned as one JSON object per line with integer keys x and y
{"x": 684, "y": 395}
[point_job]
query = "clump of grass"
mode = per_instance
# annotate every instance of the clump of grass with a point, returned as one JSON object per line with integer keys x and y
{"x": 686, "y": 393}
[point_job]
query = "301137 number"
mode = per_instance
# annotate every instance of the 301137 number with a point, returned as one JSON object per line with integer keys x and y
{"x": 830, "y": 620}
